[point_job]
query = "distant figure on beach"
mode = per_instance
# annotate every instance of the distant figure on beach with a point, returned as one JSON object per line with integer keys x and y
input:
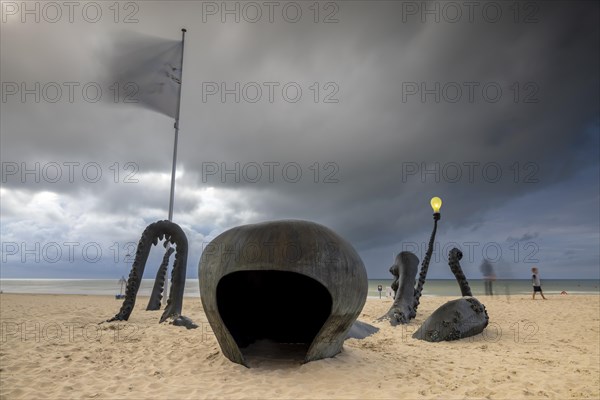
{"x": 488, "y": 276}
{"x": 537, "y": 285}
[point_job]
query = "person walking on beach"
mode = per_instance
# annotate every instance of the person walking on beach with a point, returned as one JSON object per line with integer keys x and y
{"x": 537, "y": 285}
{"x": 488, "y": 276}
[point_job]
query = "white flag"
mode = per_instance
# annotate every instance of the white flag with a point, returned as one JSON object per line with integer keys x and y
{"x": 146, "y": 71}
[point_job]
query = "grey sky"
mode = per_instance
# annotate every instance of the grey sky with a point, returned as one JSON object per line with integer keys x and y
{"x": 361, "y": 158}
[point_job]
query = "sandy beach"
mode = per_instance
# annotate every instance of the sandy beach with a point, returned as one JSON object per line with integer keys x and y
{"x": 52, "y": 347}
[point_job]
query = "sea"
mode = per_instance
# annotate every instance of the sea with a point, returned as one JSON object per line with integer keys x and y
{"x": 433, "y": 287}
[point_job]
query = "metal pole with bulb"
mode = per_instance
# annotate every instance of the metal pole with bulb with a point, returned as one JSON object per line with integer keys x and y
{"x": 436, "y": 204}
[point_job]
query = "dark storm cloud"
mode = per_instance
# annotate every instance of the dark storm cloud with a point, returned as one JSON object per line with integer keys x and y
{"x": 375, "y": 144}
{"x": 372, "y": 135}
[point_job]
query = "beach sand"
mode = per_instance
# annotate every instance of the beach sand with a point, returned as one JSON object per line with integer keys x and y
{"x": 52, "y": 347}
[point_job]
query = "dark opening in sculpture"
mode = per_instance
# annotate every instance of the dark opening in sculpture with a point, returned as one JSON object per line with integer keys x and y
{"x": 282, "y": 306}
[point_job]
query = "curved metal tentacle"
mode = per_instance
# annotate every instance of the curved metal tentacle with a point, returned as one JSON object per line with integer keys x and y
{"x": 404, "y": 270}
{"x": 175, "y": 300}
{"x": 153, "y": 232}
{"x": 454, "y": 257}
{"x": 159, "y": 282}
{"x": 423, "y": 273}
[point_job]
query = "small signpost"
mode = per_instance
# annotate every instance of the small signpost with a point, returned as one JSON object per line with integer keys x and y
{"x": 122, "y": 281}
{"x": 379, "y": 288}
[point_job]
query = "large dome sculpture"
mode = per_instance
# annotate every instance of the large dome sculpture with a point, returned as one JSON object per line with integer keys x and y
{"x": 288, "y": 281}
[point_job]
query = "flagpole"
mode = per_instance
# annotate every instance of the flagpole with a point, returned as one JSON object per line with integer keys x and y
{"x": 172, "y": 196}
{"x": 174, "y": 166}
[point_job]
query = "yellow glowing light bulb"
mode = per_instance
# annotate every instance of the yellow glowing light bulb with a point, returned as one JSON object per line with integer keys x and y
{"x": 436, "y": 204}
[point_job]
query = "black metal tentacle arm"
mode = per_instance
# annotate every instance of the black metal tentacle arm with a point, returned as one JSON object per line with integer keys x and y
{"x": 159, "y": 282}
{"x": 454, "y": 258}
{"x": 424, "y": 268}
{"x": 154, "y": 232}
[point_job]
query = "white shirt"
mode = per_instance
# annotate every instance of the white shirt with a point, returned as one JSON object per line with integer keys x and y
{"x": 536, "y": 280}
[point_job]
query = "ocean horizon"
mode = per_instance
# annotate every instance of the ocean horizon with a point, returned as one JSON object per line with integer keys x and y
{"x": 432, "y": 287}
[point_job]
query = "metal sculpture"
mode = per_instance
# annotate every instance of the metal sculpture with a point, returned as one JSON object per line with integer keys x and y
{"x": 285, "y": 281}
{"x": 457, "y": 319}
{"x": 172, "y": 234}
{"x": 404, "y": 270}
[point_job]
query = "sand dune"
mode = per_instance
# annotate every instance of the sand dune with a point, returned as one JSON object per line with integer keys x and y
{"x": 52, "y": 347}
